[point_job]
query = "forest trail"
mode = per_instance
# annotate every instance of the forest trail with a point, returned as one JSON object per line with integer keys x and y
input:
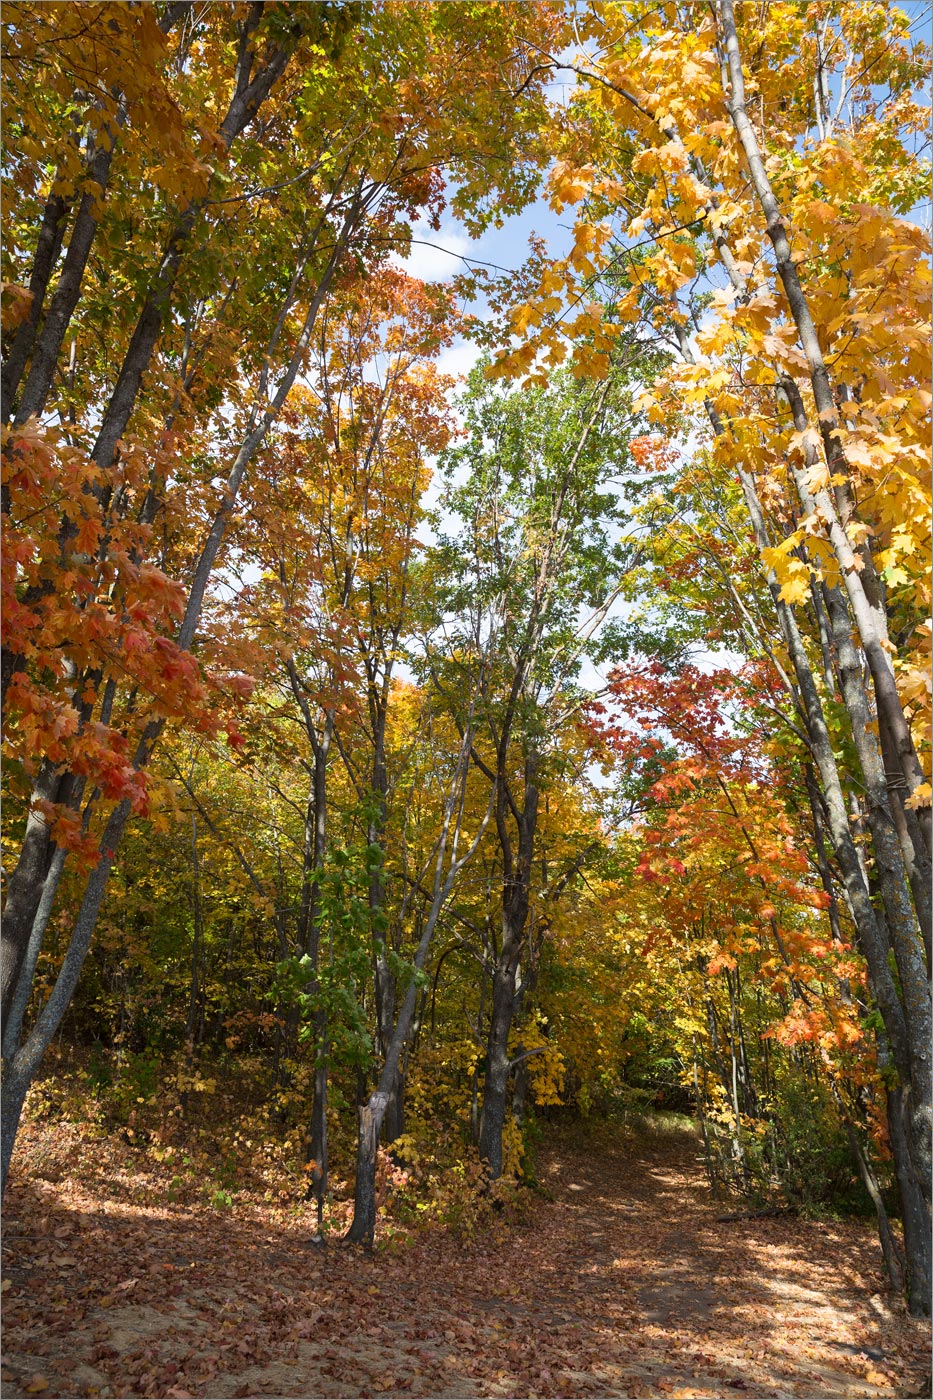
{"x": 623, "y": 1284}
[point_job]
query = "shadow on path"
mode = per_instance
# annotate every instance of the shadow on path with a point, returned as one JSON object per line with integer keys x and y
{"x": 625, "y": 1284}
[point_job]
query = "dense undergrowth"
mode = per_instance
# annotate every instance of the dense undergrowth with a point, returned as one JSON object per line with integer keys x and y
{"x": 217, "y": 1135}
{"x": 220, "y": 1141}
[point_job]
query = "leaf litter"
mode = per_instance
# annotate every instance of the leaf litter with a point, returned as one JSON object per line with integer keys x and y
{"x": 621, "y": 1282}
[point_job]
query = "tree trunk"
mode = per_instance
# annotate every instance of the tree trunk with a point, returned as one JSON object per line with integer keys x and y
{"x": 383, "y": 978}
{"x": 915, "y": 1213}
{"x": 25, "y": 1062}
{"x": 48, "y": 247}
{"x": 317, "y": 1138}
{"x": 516, "y": 893}
{"x": 371, "y": 1115}
{"x": 317, "y": 1130}
{"x": 871, "y": 932}
{"x": 395, "y": 1110}
{"x": 48, "y": 346}
{"x": 363, "y": 1227}
{"x": 19, "y": 911}
{"x": 893, "y": 1259}
{"x": 498, "y": 1064}
{"x": 15, "y": 1088}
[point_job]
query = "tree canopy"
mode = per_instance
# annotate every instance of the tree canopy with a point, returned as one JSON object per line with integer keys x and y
{"x": 412, "y": 757}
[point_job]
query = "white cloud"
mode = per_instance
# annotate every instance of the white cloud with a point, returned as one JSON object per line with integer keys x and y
{"x": 459, "y": 358}
{"x": 435, "y": 253}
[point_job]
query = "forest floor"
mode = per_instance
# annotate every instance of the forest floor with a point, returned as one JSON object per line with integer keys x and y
{"x": 623, "y": 1283}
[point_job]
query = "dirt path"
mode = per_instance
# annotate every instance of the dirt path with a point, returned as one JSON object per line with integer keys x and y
{"x": 624, "y": 1284}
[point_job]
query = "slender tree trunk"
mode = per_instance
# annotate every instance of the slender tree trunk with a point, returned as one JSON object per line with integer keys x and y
{"x": 26, "y": 883}
{"x": 893, "y": 1259}
{"x": 29, "y": 1056}
{"x": 871, "y": 931}
{"x": 194, "y": 987}
{"x": 498, "y": 1064}
{"x": 47, "y": 347}
{"x": 383, "y": 978}
{"x": 48, "y": 248}
{"x": 699, "y": 1100}
{"x": 515, "y": 902}
{"x": 372, "y": 1114}
{"x": 915, "y": 1212}
{"x": 194, "y": 984}
{"x": 317, "y": 1137}
{"x": 903, "y": 1021}
{"x": 317, "y": 1129}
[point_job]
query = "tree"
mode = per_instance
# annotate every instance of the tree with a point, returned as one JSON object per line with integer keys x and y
{"x": 332, "y": 534}
{"x": 530, "y": 489}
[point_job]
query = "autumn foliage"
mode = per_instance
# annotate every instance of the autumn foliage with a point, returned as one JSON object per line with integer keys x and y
{"x": 398, "y": 763}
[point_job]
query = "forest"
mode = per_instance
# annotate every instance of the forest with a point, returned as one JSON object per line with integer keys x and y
{"x": 466, "y": 698}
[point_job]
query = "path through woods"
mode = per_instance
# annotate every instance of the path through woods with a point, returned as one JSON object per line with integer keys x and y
{"x": 624, "y": 1284}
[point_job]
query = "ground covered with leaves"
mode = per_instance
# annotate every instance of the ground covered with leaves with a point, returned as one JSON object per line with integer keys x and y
{"x": 619, "y": 1278}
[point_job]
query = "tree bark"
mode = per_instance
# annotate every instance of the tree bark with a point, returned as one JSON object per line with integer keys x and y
{"x": 498, "y": 1064}
{"x": 45, "y": 349}
{"x": 515, "y": 901}
{"x": 48, "y": 248}
{"x": 915, "y": 1212}
{"x": 26, "y": 882}
{"x": 28, "y": 1057}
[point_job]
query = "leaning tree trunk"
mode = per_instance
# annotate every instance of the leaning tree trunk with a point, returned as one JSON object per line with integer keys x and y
{"x": 27, "y": 1058}
{"x": 372, "y": 1114}
{"x": 41, "y": 340}
{"x": 27, "y": 881}
{"x": 893, "y": 1258}
{"x": 857, "y": 567}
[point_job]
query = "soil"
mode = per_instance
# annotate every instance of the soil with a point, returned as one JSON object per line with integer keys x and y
{"x": 623, "y": 1283}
